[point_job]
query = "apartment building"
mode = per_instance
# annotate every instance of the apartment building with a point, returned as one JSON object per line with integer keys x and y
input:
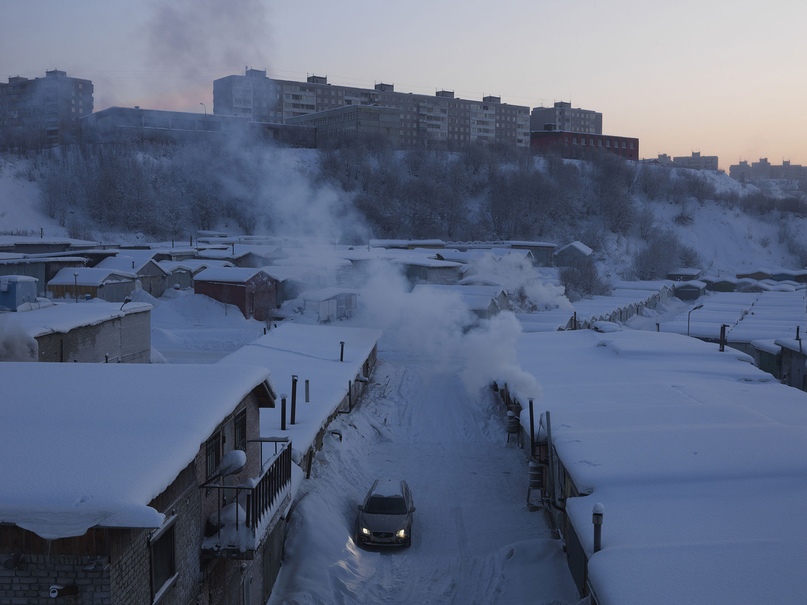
{"x": 763, "y": 170}
{"x": 43, "y": 112}
{"x": 442, "y": 121}
{"x": 562, "y": 116}
{"x": 696, "y": 161}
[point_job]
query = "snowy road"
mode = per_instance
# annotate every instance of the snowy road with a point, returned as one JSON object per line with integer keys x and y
{"x": 474, "y": 540}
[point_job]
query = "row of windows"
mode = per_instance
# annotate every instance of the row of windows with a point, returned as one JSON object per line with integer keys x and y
{"x": 599, "y": 142}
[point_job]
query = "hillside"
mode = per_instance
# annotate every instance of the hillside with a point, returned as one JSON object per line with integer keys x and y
{"x": 726, "y": 237}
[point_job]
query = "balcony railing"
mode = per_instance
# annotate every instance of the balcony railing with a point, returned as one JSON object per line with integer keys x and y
{"x": 263, "y": 497}
{"x": 241, "y": 523}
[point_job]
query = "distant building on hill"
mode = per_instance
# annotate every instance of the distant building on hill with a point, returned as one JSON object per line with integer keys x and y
{"x": 135, "y": 123}
{"x": 696, "y": 161}
{"x": 353, "y": 121}
{"x": 578, "y": 144}
{"x": 43, "y": 112}
{"x": 442, "y": 121}
{"x": 562, "y": 116}
{"x": 763, "y": 170}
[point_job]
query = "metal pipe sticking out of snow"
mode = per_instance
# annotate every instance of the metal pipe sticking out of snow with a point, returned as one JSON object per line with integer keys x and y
{"x": 283, "y": 412}
{"x": 293, "y": 398}
{"x": 596, "y": 519}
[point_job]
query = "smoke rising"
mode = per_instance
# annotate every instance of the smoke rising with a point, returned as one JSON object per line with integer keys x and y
{"x": 15, "y": 343}
{"x": 191, "y": 39}
{"x": 489, "y": 353}
{"x": 437, "y": 325}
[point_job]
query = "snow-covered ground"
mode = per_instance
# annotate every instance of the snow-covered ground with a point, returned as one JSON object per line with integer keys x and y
{"x": 430, "y": 419}
{"x": 474, "y": 538}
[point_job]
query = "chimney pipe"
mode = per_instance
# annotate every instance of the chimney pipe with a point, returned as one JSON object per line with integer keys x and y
{"x": 596, "y": 519}
{"x": 293, "y": 398}
{"x": 341, "y": 350}
{"x": 283, "y": 412}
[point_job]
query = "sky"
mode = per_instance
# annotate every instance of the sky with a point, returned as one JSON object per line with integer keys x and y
{"x": 721, "y": 78}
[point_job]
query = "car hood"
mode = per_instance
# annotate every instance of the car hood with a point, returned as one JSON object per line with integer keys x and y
{"x": 378, "y": 523}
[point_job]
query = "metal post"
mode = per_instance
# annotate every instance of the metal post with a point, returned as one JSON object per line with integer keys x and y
{"x": 283, "y": 413}
{"x": 690, "y": 314}
{"x": 550, "y": 459}
{"x": 293, "y": 398}
{"x": 596, "y": 519}
{"x": 307, "y": 398}
{"x": 341, "y": 350}
{"x": 532, "y": 430}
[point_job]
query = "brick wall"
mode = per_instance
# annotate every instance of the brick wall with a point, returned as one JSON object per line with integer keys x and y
{"x": 30, "y": 582}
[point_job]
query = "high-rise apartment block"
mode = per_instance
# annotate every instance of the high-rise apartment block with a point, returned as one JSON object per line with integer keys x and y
{"x": 562, "y": 116}
{"x": 44, "y": 111}
{"x": 441, "y": 121}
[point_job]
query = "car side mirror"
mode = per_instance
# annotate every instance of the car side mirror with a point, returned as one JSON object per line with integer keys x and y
{"x": 360, "y": 507}
{"x": 411, "y": 510}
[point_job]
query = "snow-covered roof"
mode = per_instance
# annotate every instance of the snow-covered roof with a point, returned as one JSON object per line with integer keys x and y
{"x": 748, "y": 316}
{"x": 89, "y": 276}
{"x": 312, "y": 353}
{"x": 61, "y": 318}
{"x": 194, "y": 265}
{"x": 228, "y": 274}
{"x": 576, "y": 245}
{"x": 132, "y": 264}
{"x": 696, "y": 455}
{"x": 94, "y": 444}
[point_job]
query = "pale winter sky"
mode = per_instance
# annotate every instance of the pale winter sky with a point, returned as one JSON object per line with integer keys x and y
{"x": 723, "y": 78}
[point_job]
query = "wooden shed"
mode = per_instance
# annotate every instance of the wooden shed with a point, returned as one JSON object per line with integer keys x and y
{"x": 330, "y": 304}
{"x": 253, "y": 291}
{"x": 690, "y": 290}
{"x": 150, "y": 274}
{"x": 93, "y": 282}
{"x": 572, "y": 253}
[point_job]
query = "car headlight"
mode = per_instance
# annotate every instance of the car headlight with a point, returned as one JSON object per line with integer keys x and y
{"x": 401, "y": 533}
{"x": 365, "y": 531}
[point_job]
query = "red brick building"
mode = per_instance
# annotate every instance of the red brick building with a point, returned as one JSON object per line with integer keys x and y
{"x": 579, "y": 144}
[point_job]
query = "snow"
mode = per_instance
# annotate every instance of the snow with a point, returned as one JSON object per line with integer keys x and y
{"x": 63, "y": 317}
{"x": 89, "y": 276}
{"x": 696, "y": 457}
{"x": 95, "y": 446}
{"x": 323, "y": 365}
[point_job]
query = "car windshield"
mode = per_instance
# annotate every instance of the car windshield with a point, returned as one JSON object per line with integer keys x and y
{"x": 386, "y": 505}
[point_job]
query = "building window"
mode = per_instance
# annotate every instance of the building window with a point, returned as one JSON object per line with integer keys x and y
{"x": 213, "y": 454}
{"x": 240, "y": 437}
{"x": 163, "y": 559}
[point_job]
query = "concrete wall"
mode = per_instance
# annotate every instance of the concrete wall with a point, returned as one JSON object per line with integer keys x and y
{"x": 126, "y": 340}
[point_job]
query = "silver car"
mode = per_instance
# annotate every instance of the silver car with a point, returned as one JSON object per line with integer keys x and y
{"x": 385, "y": 518}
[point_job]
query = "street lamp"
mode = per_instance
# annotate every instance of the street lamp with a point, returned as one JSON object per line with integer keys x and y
{"x": 689, "y": 315}
{"x": 205, "y": 107}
